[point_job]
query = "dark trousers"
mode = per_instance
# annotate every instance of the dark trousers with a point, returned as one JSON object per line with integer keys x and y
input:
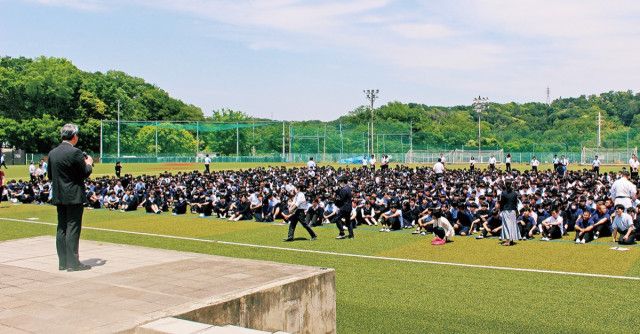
{"x": 508, "y": 167}
{"x": 347, "y": 222}
{"x": 206, "y": 168}
{"x": 298, "y": 217}
{"x": 630, "y": 241}
{"x": 603, "y": 230}
{"x": 596, "y": 169}
{"x": 587, "y": 236}
{"x": 68, "y": 234}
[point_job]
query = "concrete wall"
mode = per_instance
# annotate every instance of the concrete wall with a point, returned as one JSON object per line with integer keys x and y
{"x": 304, "y": 305}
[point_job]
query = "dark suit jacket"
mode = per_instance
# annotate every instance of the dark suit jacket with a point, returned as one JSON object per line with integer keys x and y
{"x": 67, "y": 172}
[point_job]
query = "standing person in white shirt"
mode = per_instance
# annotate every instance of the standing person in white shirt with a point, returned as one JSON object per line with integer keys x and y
{"x": 372, "y": 162}
{"x": 2, "y": 162}
{"x": 32, "y": 171}
{"x": 596, "y": 165}
{"x": 507, "y": 162}
{"x": 207, "y": 162}
{"x": 633, "y": 165}
{"x": 534, "y": 164}
{"x": 443, "y": 159}
{"x": 384, "y": 162}
{"x": 492, "y": 163}
{"x": 297, "y": 209}
{"x": 438, "y": 169}
{"x": 472, "y": 164}
{"x": 623, "y": 191}
{"x": 365, "y": 162}
{"x": 311, "y": 164}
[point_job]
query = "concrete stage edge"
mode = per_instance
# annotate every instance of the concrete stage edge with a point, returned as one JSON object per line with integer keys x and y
{"x": 131, "y": 286}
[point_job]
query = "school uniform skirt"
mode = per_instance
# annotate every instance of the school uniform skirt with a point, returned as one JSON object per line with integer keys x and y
{"x": 510, "y": 229}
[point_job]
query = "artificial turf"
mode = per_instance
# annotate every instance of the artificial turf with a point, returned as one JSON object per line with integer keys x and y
{"x": 383, "y": 296}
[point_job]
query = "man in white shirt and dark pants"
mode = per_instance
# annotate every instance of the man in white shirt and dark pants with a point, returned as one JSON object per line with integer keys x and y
{"x": 623, "y": 191}
{"x": 492, "y": 163}
{"x": 633, "y": 165}
{"x": 438, "y": 169}
{"x": 622, "y": 223}
{"x": 207, "y": 162}
{"x": 596, "y": 165}
{"x": 534, "y": 165}
{"x": 298, "y": 209}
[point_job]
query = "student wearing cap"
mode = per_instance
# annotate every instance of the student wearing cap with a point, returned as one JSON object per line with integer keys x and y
{"x": 623, "y": 224}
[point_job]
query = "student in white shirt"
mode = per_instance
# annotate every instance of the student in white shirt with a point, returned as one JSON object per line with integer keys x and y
{"x": 443, "y": 159}
{"x": 297, "y": 209}
{"x": 311, "y": 164}
{"x": 507, "y": 162}
{"x": 551, "y": 228}
{"x": 472, "y": 164}
{"x": 207, "y": 162}
{"x": 596, "y": 165}
{"x": 622, "y": 224}
{"x": 534, "y": 164}
{"x": 438, "y": 169}
{"x": 492, "y": 163}
{"x": 372, "y": 162}
{"x": 633, "y": 166}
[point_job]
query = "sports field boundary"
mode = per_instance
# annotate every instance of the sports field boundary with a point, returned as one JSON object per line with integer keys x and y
{"x": 362, "y": 256}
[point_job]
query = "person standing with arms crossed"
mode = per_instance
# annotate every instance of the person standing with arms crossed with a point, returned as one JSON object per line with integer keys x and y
{"x": 68, "y": 168}
{"x": 343, "y": 201}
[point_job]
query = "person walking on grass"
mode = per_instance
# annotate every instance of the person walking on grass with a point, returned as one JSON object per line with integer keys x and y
{"x": 297, "y": 209}
{"x": 508, "y": 206}
{"x": 343, "y": 201}
{"x": 68, "y": 168}
{"x": 3, "y": 162}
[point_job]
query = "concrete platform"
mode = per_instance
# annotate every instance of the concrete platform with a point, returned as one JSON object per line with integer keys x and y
{"x": 132, "y": 286}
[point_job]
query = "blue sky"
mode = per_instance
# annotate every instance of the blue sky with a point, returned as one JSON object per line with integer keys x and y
{"x": 296, "y": 60}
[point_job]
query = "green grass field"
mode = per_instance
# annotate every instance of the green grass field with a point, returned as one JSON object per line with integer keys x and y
{"x": 377, "y": 294}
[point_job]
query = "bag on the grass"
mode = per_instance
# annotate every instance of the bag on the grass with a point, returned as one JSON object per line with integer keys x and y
{"x": 437, "y": 241}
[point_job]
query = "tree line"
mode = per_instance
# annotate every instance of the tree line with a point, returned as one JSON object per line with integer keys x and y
{"x": 38, "y": 95}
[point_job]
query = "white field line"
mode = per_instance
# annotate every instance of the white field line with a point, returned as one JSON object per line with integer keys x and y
{"x": 372, "y": 257}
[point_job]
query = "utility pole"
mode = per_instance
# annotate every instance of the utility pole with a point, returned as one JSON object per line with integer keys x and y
{"x": 372, "y": 95}
{"x": 479, "y": 105}
{"x": 118, "y": 128}
{"x": 599, "y": 127}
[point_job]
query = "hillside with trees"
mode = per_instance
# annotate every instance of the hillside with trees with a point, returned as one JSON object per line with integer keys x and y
{"x": 38, "y": 95}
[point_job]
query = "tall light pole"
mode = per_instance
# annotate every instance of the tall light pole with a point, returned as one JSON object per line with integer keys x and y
{"x": 372, "y": 95}
{"x": 479, "y": 105}
{"x": 118, "y": 128}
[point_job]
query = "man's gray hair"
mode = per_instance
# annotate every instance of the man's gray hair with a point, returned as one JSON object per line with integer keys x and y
{"x": 68, "y": 131}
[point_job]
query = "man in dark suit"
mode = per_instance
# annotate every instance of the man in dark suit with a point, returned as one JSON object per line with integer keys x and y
{"x": 343, "y": 201}
{"x": 68, "y": 168}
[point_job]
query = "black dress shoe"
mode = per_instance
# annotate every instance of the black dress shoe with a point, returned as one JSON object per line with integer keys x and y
{"x": 80, "y": 267}
{"x": 62, "y": 267}
{"x": 287, "y": 239}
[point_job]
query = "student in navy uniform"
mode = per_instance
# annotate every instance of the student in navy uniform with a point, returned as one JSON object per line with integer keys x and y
{"x": 601, "y": 222}
{"x": 526, "y": 223}
{"x": 584, "y": 228}
{"x": 462, "y": 225}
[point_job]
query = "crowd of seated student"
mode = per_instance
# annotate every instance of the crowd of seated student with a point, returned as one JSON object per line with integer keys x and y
{"x": 550, "y": 206}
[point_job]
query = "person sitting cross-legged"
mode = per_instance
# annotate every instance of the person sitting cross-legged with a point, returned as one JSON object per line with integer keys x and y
{"x": 584, "y": 228}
